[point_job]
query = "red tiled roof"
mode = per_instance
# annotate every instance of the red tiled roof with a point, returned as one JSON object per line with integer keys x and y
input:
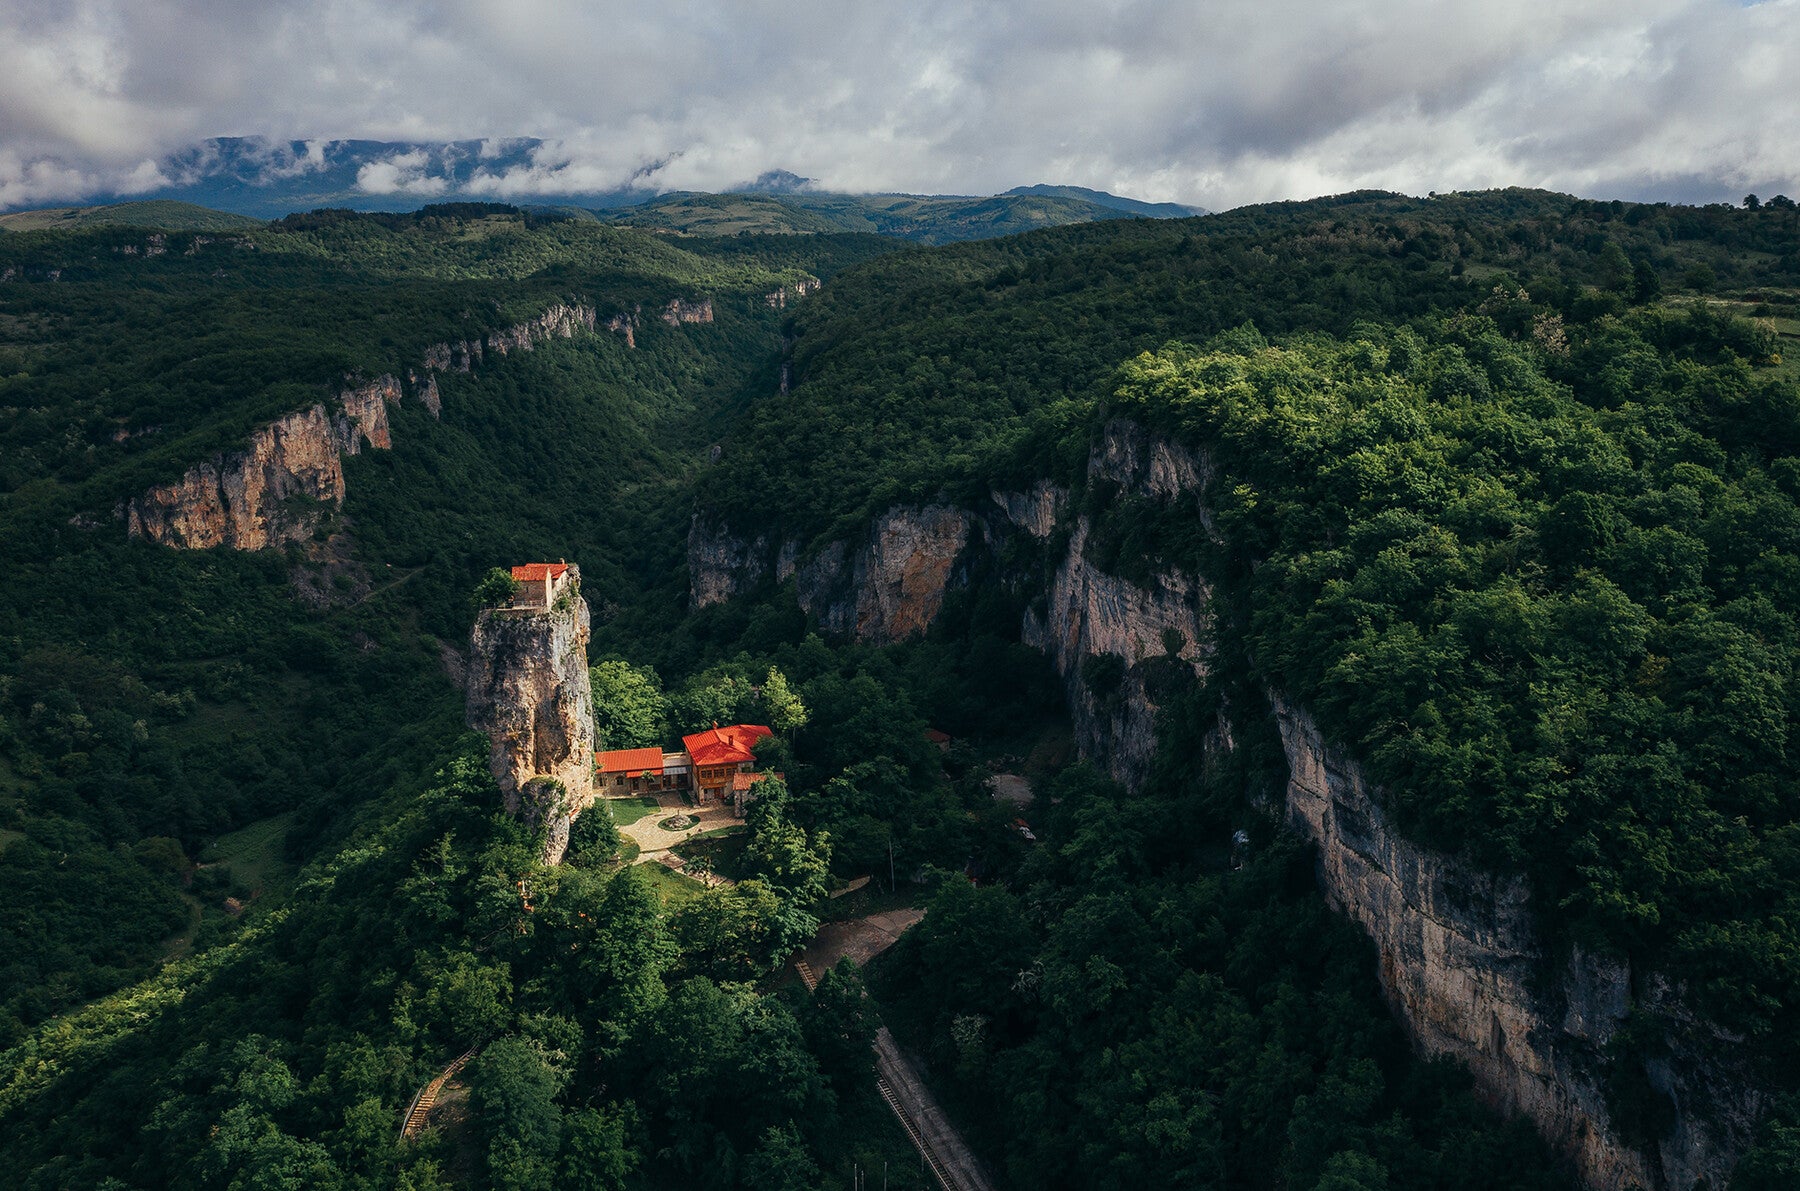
{"x": 537, "y": 572}
{"x": 631, "y": 762}
{"x": 937, "y": 737}
{"x": 724, "y": 746}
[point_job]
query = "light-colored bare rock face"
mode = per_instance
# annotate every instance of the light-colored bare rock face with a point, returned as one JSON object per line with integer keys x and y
{"x": 722, "y": 564}
{"x": 892, "y": 586}
{"x": 1036, "y": 510}
{"x": 558, "y": 322}
{"x": 272, "y": 492}
{"x": 679, "y": 311}
{"x": 527, "y": 688}
{"x": 1091, "y": 613}
{"x": 779, "y": 299}
{"x": 265, "y": 495}
{"x": 1467, "y": 973}
{"x": 1137, "y": 459}
{"x": 1462, "y": 960}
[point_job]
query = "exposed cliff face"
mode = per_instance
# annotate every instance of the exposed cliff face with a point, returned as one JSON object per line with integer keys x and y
{"x": 892, "y": 585}
{"x": 558, "y": 322}
{"x": 779, "y": 299}
{"x": 1461, "y": 958}
{"x": 1464, "y": 968}
{"x": 527, "y": 687}
{"x": 1036, "y": 510}
{"x": 721, "y": 564}
{"x": 678, "y": 312}
{"x": 625, "y": 324}
{"x": 272, "y": 492}
{"x": 1091, "y": 613}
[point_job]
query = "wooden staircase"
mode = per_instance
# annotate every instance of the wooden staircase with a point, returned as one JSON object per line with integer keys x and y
{"x": 427, "y": 1097}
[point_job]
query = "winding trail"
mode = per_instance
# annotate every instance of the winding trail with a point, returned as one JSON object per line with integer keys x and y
{"x": 427, "y": 1097}
{"x": 949, "y": 1157}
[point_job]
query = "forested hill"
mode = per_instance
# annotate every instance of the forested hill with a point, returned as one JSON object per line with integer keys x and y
{"x": 157, "y": 699}
{"x": 187, "y": 736}
{"x": 919, "y": 370}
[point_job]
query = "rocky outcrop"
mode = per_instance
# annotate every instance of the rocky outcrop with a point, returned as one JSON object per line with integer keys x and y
{"x": 679, "y": 311}
{"x": 892, "y": 585}
{"x": 558, "y": 322}
{"x": 720, "y": 563}
{"x": 1090, "y": 615}
{"x": 779, "y": 299}
{"x": 1467, "y": 973}
{"x": 527, "y": 689}
{"x": 1462, "y": 960}
{"x": 624, "y": 324}
{"x": 1036, "y": 510}
{"x": 273, "y": 491}
{"x": 363, "y": 416}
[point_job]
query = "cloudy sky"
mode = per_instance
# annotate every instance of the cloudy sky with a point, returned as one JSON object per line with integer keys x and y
{"x": 1209, "y": 102}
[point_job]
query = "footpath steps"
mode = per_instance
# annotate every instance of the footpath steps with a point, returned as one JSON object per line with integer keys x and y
{"x": 938, "y": 1142}
{"x": 948, "y": 1155}
{"x": 422, "y": 1104}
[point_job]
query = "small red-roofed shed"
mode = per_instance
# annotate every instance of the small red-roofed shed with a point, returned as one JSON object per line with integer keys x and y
{"x": 540, "y": 583}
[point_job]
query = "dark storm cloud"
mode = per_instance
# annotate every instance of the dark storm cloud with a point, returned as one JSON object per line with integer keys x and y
{"x": 1216, "y": 103}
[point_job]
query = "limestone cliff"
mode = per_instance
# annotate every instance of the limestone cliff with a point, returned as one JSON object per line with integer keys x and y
{"x": 679, "y": 311}
{"x": 271, "y": 492}
{"x": 891, "y": 586}
{"x": 1090, "y": 614}
{"x": 527, "y": 688}
{"x": 1036, "y": 511}
{"x": 778, "y": 299}
{"x": 722, "y": 564}
{"x": 1467, "y": 973}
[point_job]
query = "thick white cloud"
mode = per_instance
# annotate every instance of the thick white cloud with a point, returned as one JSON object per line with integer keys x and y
{"x": 1214, "y": 102}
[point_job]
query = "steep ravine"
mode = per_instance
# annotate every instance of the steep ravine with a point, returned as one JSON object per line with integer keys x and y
{"x": 1462, "y": 961}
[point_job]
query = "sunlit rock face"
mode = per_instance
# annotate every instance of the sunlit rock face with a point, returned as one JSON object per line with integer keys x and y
{"x": 527, "y": 688}
{"x": 275, "y": 489}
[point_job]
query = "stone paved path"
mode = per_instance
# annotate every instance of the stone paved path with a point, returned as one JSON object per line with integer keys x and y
{"x": 653, "y": 841}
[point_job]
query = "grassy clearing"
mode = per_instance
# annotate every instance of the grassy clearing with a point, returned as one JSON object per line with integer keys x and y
{"x": 7, "y": 836}
{"x": 626, "y": 811}
{"x": 872, "y": 898}
{"x": 673, "y": 888}
{"x": 722, "y": 851}
{"x": 718, "y": 833}
{"x": 254, "y": 855}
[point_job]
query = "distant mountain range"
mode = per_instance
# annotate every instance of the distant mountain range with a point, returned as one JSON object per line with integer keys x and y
{"x": 263, "y": 179}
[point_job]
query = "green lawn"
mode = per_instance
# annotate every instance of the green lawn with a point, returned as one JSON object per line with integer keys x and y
{"x": 872, "y": 898}
{"x": 254, "y": 855}
{"x": 8, "y": 835}
{"x": 671, "y": 886}
{"x": 626, "y": 811}
{"x": 722, "y": 850}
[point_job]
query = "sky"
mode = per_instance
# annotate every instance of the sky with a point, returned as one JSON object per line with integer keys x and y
{"x": 1214, "y": 103}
